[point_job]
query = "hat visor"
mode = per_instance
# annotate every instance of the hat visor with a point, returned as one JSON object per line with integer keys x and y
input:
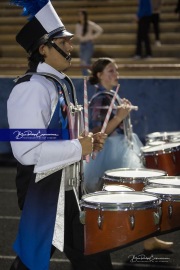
{"x": 63, "y": 33}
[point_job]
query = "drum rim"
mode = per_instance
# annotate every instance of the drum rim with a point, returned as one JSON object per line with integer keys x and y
{"x": 166, "y": 177}
{"x": 164, "y": 197}
{"x": 156, "y": 185}
{"x": 151, "y": 143}
{"x": 103, "y": 206}
{"x": 131, "y": 179}
{"x": 166, "y": 133}
{"x": 150, "y": 180}
{"x": 148, "y": 149}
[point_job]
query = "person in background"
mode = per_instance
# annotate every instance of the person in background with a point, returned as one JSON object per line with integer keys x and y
{"x": 155, "y": 19}
{"x": 143, "y": 19}
{"x": 86, "y": 32}
{"x": 177, "y": 9}
{"x": 117, "y": 151}
{"x": 45, "y": 168}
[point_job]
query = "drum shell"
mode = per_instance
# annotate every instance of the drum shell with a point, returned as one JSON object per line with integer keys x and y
{"x": 164, "y": 157}
{"x": 136, "y": 181}
{"x": 116, "y": 230}
{"x": 169, "y": 223}
{"x": 170, "y": 219}
{"x": 135, "y": 184}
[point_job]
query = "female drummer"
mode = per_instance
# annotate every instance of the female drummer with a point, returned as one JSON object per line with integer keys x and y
{"x": 119, "y": 151}
{"x": 122, "y": 147}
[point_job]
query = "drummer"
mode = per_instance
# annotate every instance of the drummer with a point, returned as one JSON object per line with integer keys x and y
{"x": 50, "y": 212}
{"x": 118, "y": 151}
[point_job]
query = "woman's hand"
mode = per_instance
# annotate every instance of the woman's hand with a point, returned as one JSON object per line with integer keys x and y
{"x": 124, "y": 109}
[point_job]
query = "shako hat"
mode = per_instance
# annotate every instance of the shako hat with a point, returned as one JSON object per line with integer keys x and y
{"x": 43, "y": 25}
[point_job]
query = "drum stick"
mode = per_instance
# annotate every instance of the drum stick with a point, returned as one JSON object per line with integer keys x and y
{"x": 108, "y": 114}
{"x": 124, "y": 106}
{"x": 130, "y": 107}
{"x": 110, "y": 110}
{"x": 86, "y": 116}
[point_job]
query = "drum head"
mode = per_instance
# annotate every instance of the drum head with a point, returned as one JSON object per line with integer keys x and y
{"x": 173, "y": 181}
{"x": 121, "y": 200}
{"x": 133, "y": 173}
{"x": 167, "y": 147}
{"x": 165, "y": 193}
{"x": 154, "y": 143}
{"x": 163, "y": 136}
{"x": 117, "y": 188}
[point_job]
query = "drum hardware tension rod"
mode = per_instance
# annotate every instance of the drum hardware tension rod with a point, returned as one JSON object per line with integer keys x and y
{"x": 174, "y": 158}
{"x": 132, "y": 218}
{"x": 143, "y": 160}
{"x": 170, "y": 210}
{"x": 157, "y": 217}
{"x": 156, "y": 159}
{"x": 132, "y": 222}
{"x": 100, "y": 218}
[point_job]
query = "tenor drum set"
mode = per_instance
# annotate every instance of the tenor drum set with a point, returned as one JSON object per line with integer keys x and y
{"x": 162, "y": 151}
{"x": 135, "y": 204}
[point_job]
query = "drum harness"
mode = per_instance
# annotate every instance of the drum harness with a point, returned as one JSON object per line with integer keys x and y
{"x": 75, "y": 110}
{"x": 127, "y": 125}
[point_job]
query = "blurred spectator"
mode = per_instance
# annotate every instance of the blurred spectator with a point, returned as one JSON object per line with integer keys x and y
{"x": 177, "y": 9}
{"x": 155, "y": 19}
{"x": 86, "y": 31}
{"x": 143, "y": 19}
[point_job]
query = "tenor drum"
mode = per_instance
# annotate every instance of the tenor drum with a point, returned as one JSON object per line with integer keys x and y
{"x": 157, "y": 138}
{"x": 170, "y": 197}
{"x": 115, "y": 219}
{"x": 171, "y": 181}
{"x": 134, "y": 178}
{"x": 163, "y": 157}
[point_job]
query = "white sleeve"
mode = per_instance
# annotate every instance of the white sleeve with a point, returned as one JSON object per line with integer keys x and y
{"x": 58, "y": 154}
{"x": 29, "y": 106}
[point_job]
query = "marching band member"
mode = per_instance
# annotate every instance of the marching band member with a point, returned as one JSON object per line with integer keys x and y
{"x": 117, "y": 151}
{"x": 39, "y": 100}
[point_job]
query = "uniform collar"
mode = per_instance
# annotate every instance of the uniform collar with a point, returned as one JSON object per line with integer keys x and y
{"x": 100, "y": 88}
{"x": 43, "y": 67}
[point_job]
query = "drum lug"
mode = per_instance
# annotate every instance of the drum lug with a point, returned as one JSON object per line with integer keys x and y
{"x": 132, "y": 222}
{"x": 174, "y": 158}
{"x": 82, "y": 217}
{"x": 156, "y": 160}
{"x": 100, "y": 219}
{"x": 143, "y": 160}
{"x": 170, "y": 210}
{"x": 157, "y": 216}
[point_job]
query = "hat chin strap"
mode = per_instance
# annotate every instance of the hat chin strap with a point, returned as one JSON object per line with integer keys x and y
{"x": 65, "y": 55}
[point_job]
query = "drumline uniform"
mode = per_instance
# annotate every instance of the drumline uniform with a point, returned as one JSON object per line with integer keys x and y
{"x": 48, "y": 217}
{"x": 116, "y": 153}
